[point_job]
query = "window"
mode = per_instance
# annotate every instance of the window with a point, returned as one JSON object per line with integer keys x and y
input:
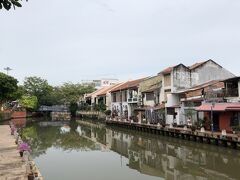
{"x": 235, "y": 121}
{"x": 149, "y": 96}
{"x": 114, "y": 98}
{"x": 167, "y": 80}
{"x": 125, "y": 95}
{"x": 171, "y": 111}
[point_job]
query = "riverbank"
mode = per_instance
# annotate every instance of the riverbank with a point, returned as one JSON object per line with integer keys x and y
{"x": 11, "y": 164}
{"x": 216, "y": 138}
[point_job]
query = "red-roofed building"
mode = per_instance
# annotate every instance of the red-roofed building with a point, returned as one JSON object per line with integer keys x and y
{"x": 181, "y": 78}
{"x": 105, "y": 96}
{"x": 222, "y": 106}
{"x": 91, "y": 98}
{"x": 124, "y": 98}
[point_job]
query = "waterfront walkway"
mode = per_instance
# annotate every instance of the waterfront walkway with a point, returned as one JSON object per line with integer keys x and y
{"x": 11, "y": 165}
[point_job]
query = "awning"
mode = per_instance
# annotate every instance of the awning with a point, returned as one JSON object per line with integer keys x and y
{"x": 219, "y": 107}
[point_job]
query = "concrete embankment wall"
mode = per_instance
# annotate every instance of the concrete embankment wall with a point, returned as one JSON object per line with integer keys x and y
{"x": 5, "y": 115}
{"x": 91, "y": 114}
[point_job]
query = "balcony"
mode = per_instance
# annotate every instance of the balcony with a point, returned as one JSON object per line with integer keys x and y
{"x": 221, "y": 95}
{"x": 133, "y": 100}
{"x": 231, "y": 92}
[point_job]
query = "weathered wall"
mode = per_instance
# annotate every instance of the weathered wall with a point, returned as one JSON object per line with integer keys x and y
{"x": 207, "y": 72}
{"x": 120, "y": 107}
{"x": 181, "y": 78}
{"x": 167, "y": 80}
{"x": 148, "y": 102}
{"x": 172, "y": 100}
{"x": 150, "y": 83}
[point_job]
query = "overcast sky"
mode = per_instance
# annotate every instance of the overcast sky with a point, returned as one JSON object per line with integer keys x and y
{"x": 74, "y": 40}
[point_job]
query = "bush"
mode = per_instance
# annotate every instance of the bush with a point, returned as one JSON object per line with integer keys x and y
{"x": 84, "y": 106}
{"x": 108, "y": 112}
{"x": 99, "y": 107}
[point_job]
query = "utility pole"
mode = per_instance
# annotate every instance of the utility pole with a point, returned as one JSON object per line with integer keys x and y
{"x": 212, "y": 106}
{"x": 7, "y": 69}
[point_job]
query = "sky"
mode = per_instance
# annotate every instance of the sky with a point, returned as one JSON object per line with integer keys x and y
{"x": 71, "y": 41}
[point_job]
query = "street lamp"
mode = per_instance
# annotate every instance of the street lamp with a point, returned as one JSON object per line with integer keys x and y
{"x": 212, "y": 106}
{"x": 7, "y": 69}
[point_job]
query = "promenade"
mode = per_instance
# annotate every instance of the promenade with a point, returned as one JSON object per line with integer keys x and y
{"x": 11, "y": 165}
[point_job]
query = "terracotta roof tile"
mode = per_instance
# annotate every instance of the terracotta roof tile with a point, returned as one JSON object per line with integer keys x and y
{"x": 196, "y": 65}
{"x": 97, "y": 92}
{"x": 167, "y": 70}
{"x": 104, "y": 92}
{"x": 128, "y": 84}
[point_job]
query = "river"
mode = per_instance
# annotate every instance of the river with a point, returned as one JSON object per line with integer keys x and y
{"x": 87, "y": 150}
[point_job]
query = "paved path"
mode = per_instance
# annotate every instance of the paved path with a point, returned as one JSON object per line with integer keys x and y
{"x": 11, "y": 165}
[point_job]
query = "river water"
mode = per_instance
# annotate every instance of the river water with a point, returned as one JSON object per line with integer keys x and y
{"x": 86, "y": 150}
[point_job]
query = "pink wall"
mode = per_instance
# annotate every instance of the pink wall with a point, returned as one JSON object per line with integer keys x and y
{"x": 19, "y": 114}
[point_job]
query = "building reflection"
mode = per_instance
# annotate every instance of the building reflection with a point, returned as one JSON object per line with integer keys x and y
{"x": 169, "y": 158}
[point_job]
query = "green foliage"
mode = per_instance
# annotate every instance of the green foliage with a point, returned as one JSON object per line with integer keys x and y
{"x": 68, "y": 93}
{"x": 8, "y": 87}
{"x": 84, "y": 106}
{"x": 99, "y": 107}
{"x": 73, "y": 108}
{"x": 36, "y": 86}
{"x": 236, "y": 129}
{"x": 71, "y": 93}
{"x": 108, "y": 112}
{"x": 29, "y": 102}
{"x": 8, "y": 4}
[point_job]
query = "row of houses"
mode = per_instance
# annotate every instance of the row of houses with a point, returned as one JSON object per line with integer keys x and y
{"x": 203, "y": 93}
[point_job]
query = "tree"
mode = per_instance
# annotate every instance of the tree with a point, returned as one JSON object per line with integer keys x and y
{"x": 71, "y": 93}
{"x": 73, "y": 108}
{"x": 8, "y": 87}
{"x": 36, "y": 86}
{"x": 8, "y": 4}
{"x": 29, "y": 102}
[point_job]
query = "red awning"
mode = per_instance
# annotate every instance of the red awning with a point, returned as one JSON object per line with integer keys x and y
{"x": 219, "y": 107}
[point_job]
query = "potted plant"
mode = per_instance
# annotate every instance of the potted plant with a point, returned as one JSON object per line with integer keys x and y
{"x": 31, "y": 176}
{"x": 193, "y": 128}
{"x": 108, "y": 113}
{"x": 23, "y": 147}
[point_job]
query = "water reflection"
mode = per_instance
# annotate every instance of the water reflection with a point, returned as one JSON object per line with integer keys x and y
{"x": 156, "y": 156}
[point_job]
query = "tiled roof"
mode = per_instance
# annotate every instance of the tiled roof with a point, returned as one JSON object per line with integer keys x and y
{"x": 167, "y": 70}
{"x": 196, "y": 65}
{"x": 128, "y": 84}
{"x": 104, "y": 92}
{"x": 95, "y": 93}
{"x": 217, "y": 83}
{"x": 219, "y": 107}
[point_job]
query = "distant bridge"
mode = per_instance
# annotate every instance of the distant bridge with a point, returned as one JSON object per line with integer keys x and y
{"x": 60, "y": 108}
